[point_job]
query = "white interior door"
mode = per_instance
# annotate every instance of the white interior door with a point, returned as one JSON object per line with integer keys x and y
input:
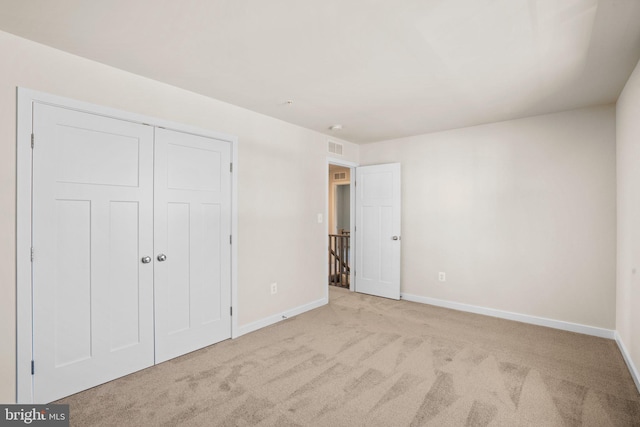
{"x": 92, "y": 223}
{"x": 192, "y": 235}
{"x": 378, "y": 201}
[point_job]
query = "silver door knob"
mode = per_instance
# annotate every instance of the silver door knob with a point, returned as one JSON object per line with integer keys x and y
{"x": 162, "y": 257}
{"x": 146, "y": 260}
{"x": 396, "y": 238}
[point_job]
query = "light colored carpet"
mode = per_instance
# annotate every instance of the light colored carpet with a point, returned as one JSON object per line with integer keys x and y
{"x": 367, "y": 361}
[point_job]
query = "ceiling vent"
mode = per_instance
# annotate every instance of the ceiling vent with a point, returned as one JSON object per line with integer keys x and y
{"x": 335, "y": 148}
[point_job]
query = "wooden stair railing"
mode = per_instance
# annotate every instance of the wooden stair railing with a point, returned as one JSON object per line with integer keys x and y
{"x": 339, "y": 269}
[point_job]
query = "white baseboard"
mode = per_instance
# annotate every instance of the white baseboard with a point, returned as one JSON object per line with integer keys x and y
{"x": 627, "y": 358}
{"x": 259, "y": 324}
{"x": 524, "y": 318}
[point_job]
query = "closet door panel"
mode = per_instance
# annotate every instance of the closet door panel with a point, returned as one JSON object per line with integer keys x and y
{"x": 192, "y": 229}
{"x": 92, "y": 223}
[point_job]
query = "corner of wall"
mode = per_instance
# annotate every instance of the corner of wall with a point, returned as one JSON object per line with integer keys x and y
{"x": 627, "y": 359}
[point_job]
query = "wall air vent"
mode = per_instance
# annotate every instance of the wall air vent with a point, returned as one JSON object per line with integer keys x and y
{"x": 339, "y": 176}
{"x": 335, "y": 148}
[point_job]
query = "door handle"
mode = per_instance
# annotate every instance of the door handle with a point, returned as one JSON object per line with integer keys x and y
{"x": 396, "y": 237}
{"x": 146, "y": 260}
{"x": 162, "y": 257}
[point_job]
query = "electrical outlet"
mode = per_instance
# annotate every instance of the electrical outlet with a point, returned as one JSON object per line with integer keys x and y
{"x": 274, "y": 288}
{"x": 442, "y": 277}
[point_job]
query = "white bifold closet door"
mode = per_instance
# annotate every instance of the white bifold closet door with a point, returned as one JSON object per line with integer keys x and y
{"x": 132, "y": 261}
{"x": 92, "y": 223}
{"x": 192, "y": 232}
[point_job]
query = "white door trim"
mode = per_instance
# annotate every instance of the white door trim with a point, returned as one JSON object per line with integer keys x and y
{"x": 352, "y": 212}
{"x": 25, "y": 100}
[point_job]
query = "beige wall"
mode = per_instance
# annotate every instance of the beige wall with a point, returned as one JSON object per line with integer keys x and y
{"x": 628, "y": 157}
{"x": 520, "y": 215}
{"x": 282, "y": 176}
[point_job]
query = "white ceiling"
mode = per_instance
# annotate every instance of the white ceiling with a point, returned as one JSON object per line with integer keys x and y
{"x": 382, "y": 69}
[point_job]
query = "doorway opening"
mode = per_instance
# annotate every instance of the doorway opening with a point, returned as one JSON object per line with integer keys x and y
{"x": 340, "y": 219}
{"x": 365, "y": 256}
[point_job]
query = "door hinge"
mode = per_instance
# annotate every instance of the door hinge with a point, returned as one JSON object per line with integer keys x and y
{"x": 230, "y": 239}
{"x": 33, "y": 139}
{"x": 231, "y": 167}
{"x": 32, "y": 254}
{"x": 231, "y": 311}
{"x": 33, "y": 367}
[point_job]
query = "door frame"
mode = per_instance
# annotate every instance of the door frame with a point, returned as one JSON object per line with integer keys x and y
{"x": 352, "y": 215}
{"x": 24, "y": 170}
